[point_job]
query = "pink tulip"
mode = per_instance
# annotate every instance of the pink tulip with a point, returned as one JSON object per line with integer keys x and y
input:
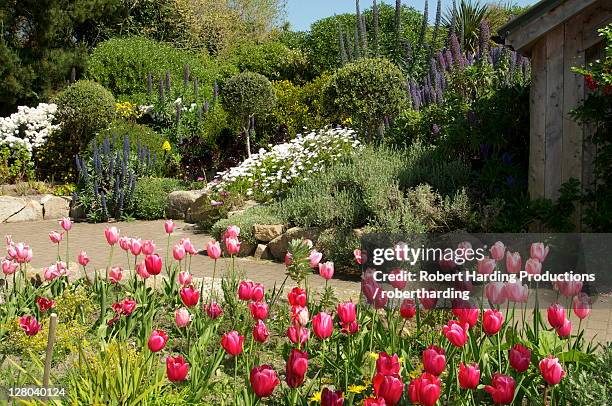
{"x": 169, "y": 226}
{"x": 519, "y": 358}
{"x": 178, "y": 252}
{"x": 44, "y": 304}
{"x": 112, "y": 235}
{"x": 176, "y": 369}
{"x": 232, "y": 231}
{"x": 125, "y": 242}
{"x": 298, "y": 334}
{"x": 257, "y": 293}
{"x": 533, "y": 266}
{"x": 141, "y": 270}
{"x": 232, "y": 245}
{"x": 8, "y": 266}
{"x": 153, "y": 264}
{"x": 182, "y": 317}
{"x": 260, "y": 332}
{"x": 466, "y": 312}
{"x": 148, "y": 247}
{"x": 259, "y": 310}
{"x": 469, "y": 376}
{"x": 83, "y": 259}
{"x": 388, "y": 387}
{"x": 434, "y": 360}
{"x": 213, "y": 249}
{"x": 349, "y": 328}
{"x": 539, "y": 251}
{"x": 296, "y": 367}
{"x": 582, "y": 306}
{"x": 501, "y": 389}
{"x": 232, "y": 343}
{"x": 314, "y": 258}
{"x": 456, "y": 333}
{"x": 213, "y": 310}
{"x": 297, "y": 297}
{"x": 569, "y": 288}
{"x": 184, "y": 278}
{"x": 556, "y": 315}
{"x": 263, "y": 381}
{"x": 300, "y": 315}
{"x": 56, "y": 237}
{"x": 373, "y": 293}
{"x": 347, "y": 312}
{"x": 486, "y": 266}
{"x": 565, "y": 329}
{"x": 425, "y": 390}
{"x": 135, "y": 246}
{"x": 189, "y": 247}
{"x": 55, "y": 271}
{"x": 326, "y": 270}
{"x": 66, "y": 223}
{"x": 322, "y": 325}
{"x": 30, "y": 325}
{"x": 331, "y": 398}
{"x": 115, "y": 274}
{"x": 551, "y": 370}
{"x": 497, "y": 251}
{"x": 387, "y": 364}
{"x": 157, "y": 340}
{"x": 360, "y": 256}
{"x": 245, "y": 290}
{"x": 495, "y": 293}
{"x": 288, "y": 259}
{"x": 515, "y": 292}
{"x": 514, "y": 262}
{"x": 189, "y": 296}
{"x": 19, "y": 252}
{"x": 492, "y": 321}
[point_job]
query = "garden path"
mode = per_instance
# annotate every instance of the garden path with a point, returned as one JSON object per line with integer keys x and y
{"x": 90, "y": 238}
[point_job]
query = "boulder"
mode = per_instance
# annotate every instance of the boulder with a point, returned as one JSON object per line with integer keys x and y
{"x": 246, "y": 249}
{"x": 10, "y": 205}
{"x": 267, "y": 232}
{"x": 242, "y": 208}
{"x": 278, "y": 246}
{"x": 262, "y": 252}
{"x": 55, "y": 207}
{"x": 199, "y": 209}
{"x": 180, "y": 202}
{"x": 32, "y": 211}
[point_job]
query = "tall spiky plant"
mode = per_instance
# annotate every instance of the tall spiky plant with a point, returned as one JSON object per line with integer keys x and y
{"x": 375, "y": 27}
{"x": 343, "y": 55}
{"x": 465, "y": 21}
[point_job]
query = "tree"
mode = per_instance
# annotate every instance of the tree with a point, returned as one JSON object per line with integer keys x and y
{"x": 246, "y": 96}
{"x": 465, "y": 22}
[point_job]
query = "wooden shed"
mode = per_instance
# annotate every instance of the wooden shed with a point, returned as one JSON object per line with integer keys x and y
{"x": 558, "y": 35}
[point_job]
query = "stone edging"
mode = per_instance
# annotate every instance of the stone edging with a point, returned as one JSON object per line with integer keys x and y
{"x": 15, "y": 209}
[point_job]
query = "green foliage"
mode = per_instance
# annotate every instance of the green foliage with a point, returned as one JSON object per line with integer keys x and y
{"x": 246, "y": 221}
{"x": 597, "y": 377}
{"x": 465, "y": 20}
{"x": 368, "y": 91}
{"x": 248, "y": 94}
{"x": 15, "y": 164}
{"x": 137, "y": 134}
{"x": 337, "y": 245}
{"x": 151, "y": 197}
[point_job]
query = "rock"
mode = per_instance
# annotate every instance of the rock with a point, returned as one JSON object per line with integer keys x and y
{"x": 278, "y": 246}
{"x": 267, "y": 232}
{"x": 249, "y": 204}
{"x": 262, "y": 252}
{"x": 180, "y": 202}
{"x": 246, "y": 249}
{"x": 77, "y": 211}
{"x": 32, "y": 211}
{"x": 55, "y": 207}
{"x": 199, "y": 209}
{"x": 10, "y": 205}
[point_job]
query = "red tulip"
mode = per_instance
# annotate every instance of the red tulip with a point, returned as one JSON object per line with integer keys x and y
{"x": 456, "y": 333}
{"x": 169, "y": 226}
{"x": 154, "y": 264}
{"x": 124, "y": 307}
{"x": 213, "y": 310}
{"x": 408, "y": 308}
{"x": 297, "y": 297}
{"x": 258, "y": 291}
{"x": 296, "y": 368}
{"x": 30, "y": 325}
{"x": 565, "y": 329}
{"x": 551, "y": 370}
{"x": 213, "y": 249}
{"x": 429, "y": 303}
{"x": 556, "y": 315}
{"x": 374, "y": 402}
{"x": 259, "y": 310}
{"x": 232, "y": 343}
{"x": 466, "y": 312}
{"x": 263, "y": 380}
{"x": 157, "y": 340}
{"x": 501, "y": 389}
{"x": 189, "y": 296}
{"x": 347, "y": 312}
{"x": 492, "y": 321}
{"x": 373, "y": 293}
{"x": 514, "y": 263}
{"x": 469, "y": 376}
{"x": 260, "y": 332}
{"x": 388, "y": 387}
{"x": 176, "y": 368}
{"x": 519, "y": 357}
{"x": 349, "y": 328}
{"x": 112, "y": 235}
{"x": 331, "y": 398}
{"x": 387, "y": 364}
{"x": 397, "y": 281}
{"x": 245, "y": 290}
{"x": 322, "y": 325}
{"x": 582, "y": 306}
{"x": 298, "y": 334}
{"x": 539, "y": 251}
{"x": 434, "y": 360}
{"x": 44, "y": 304}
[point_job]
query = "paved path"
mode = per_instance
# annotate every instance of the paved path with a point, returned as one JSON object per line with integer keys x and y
{"x": 90, "y": 238}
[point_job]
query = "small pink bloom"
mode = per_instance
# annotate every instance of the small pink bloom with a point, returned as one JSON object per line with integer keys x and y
{"x": 539, "y": 251}
{"x": 30, "y": 325}
{"x": 486, "y": 266}
{"x": 112, "y": 235}
{"x": 565, "y": 329}
{"x": 182, "y": 317}
{"x": 153, "y": 264}
{"x": 115, "y": 274}
{"x": 551, "y": 370}
{"x": 259, "y": 310}
{"x": 232, "y": 245}
{"x": 232, "y": 343}
{"x": 169, "y": 226}
{"x": 398, "y": 281}
{"x": 495, "y": 293}
{"x": 322, "y": 325}
{"x": 314, "y": 258}
{"x": 516, "y": 292}
{"x": 189, "y": 296}
{"x": 300, "y": 315}
{"x": 469, "y": 376}
{"x": 497, "y": 251}
{"x": 56, "y": 237}
{"x": 213, "y": 249}
{"x": 124, "y": 243}
{"x": 326, "y": 270}
{"x": 189, "y": 247}
{"x": 556, "y": 315}
{"x": 184, "y": 278}
{"x": 492, "y": 321}
{"x": 213, "y": 310}
{"x": 8, "y": 266}
{"x": 456, "y": 333}
{"x": 245, "y": 290}
{"x": 298, "y": 334}
{"x": 514, "y": 262}
{"x": 260, "y": 332}
{"x": 66, "y": 223}
{"x": 141, "y": 270}
{"x": 347, "y": 312}
{"x": 232, "y": 231}
{"x": 148, "y": 247}
{"x": 178, "y": 252}
{"x": 135, "y": 246}
{"x": 257, "y": 293}
{"x": 83, "y": 258}
{"x": 533, "y": 266}
{"x": 157, "y": 340}
{"x": 582, "y": 306}
{"x": 360, "y": 256}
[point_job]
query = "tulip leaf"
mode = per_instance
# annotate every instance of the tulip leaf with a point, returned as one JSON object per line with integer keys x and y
{"x": 576, "y": 356}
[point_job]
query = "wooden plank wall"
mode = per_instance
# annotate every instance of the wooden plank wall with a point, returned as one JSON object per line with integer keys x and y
{"x": 558, "y": 148}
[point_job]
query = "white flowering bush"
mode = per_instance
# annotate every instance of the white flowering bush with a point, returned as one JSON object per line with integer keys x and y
{"x": 269, "y": 173}
{"x": 29, "y": 127}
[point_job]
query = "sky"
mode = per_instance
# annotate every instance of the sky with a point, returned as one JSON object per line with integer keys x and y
{"x": 302, "y": 13}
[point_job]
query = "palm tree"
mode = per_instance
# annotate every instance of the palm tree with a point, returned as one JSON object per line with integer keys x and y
{"x": 465, "y": 22}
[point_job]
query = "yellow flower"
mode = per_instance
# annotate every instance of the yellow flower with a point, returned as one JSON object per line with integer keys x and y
{"x": 166, "y": 146}
{"x": 316, "y": 397}
{"x": 373, "y": 355}
{"x": 356, "y": 388}
{"x": 416, "y": 372}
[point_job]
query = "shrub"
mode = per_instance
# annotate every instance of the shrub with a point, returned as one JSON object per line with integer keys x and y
{"x": 29, "y": 127}
{"x": 15, "y": 164}
{"x": 137, "y": 134}
{"x": 368, "y": 91}
{"x": 151, "y": 197}
{"x": 246, "y": 221}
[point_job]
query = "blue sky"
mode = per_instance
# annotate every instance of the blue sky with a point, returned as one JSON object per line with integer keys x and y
{"x": 302, "y": 13}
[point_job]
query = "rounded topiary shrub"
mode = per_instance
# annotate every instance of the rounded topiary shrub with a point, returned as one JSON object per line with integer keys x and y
{"x": 367, "y": 91}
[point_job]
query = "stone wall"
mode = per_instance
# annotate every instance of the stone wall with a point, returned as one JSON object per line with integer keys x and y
{"x": 32, "y": 208}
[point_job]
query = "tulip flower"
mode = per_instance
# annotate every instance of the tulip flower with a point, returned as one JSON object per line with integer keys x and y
{"x": 556, "y": 315}
{"x": 260, "y": 332}
{"x": 153, "y": 263}
{"x": 565, "y": 329}
{"x": 190, "y": 296}
{"x": 297, "y": 297}
{"x": 213, "y": 310}
{"x": 569, "y": 288}
{"x": 360, "y": 256}
{"x": 308, "y": 243}
{"x": 288, "y": 259}
{"x": 30, "y": 325}
{"x": 582, "y": 306}
{"x": 178, "y": 252}
{"x": 135, "y": 246}
{"x": 169, "y": 226}
{"x": 176, "y": 368}
{"x": 44, "y": 304}
{"x": 331, "y": 398}
{"x": 497, "y": 251}
{"x": 539, "y": 251}
{"x": 314, "y": 258}
{"x": 141, "y": 270}
{"x": 469, "y": 376}
{"x": 298, "y": 334}
{"x": 551, "y": 370}
{"x": 398, "y": 282}
{"x": 124, "y": 307}
{"x": 466, "y": 312}
{"x": 486, "y": 266}
{"x": 492, "y": 321}
{"x": 232, "y": 231}
{"x": 232, "y": 343}
{"x": 429, "y": 303}
{"x": 56, "y": 237}
{"x": 8, "y": 266}
{"x": 115, "y": 274}
{"x": 296, "y": 367}
{"x": 388, "y": 387}
{"x": 533, "y": 266}
{"x": 245, "y": 290}
{"x": 408, "y": 308}
{"x": 425, "y": 390}
{"x": 514, "y": 263}
{"x": 322, "y": 325}
{"x": 148, "y": 247}
{"x": 112, "y": 235}
{"x": 263, "y": 380}
{"x": 374, "y": 402}
{"x": 157, "y": 340}
{"x": 373, "y": 293}
{"x": 19, "y": 252}
{"x": 434, "y": 360}
{"x": 516, "y": 292}
{"x": 257, "y": 293}
{"x": 456, "y": 333}
{"x": 182, "y": 317}
{"x": 519, "y": 358}
{"x": 232, "y": 245}
{"x": 83, "y": 259}
{"x": 55, "y": 271}
{"x": 347, "y": 312}
{"x": 66, "y": 223}
{"x": 259, "y": 310}
{"x": 299, "y": 315}
{"x": 124, "y": 243}
{"x": 184, "y": 278}
{"x": 495, "y": 293}
{"x": 387, "y": 364}
{"x": 501, "y": 389}
{"x": 349, "y": 328}
{"x": 326, "y": 270}
{"x": 213, "y": 250}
